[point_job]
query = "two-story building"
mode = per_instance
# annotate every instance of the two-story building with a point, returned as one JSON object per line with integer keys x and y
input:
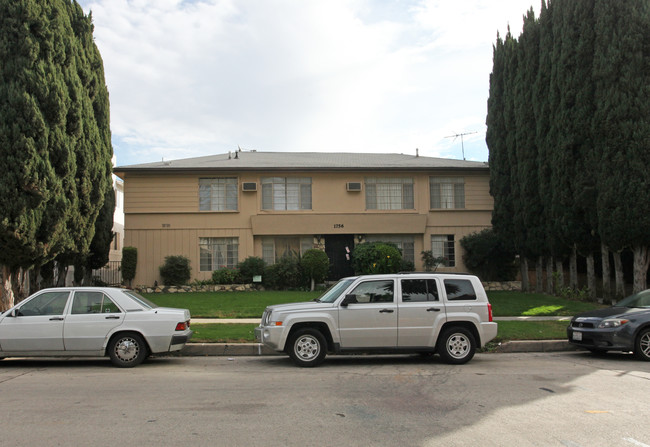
{"x": 218, "y": 210}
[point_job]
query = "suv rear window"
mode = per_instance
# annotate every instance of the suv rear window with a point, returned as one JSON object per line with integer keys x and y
{"x": 459, "y": 290}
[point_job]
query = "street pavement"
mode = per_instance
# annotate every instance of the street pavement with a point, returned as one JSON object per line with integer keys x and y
{"x": 563, "y": 399}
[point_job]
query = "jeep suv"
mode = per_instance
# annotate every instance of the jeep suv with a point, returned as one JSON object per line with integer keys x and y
{"x": 415, "y": 312}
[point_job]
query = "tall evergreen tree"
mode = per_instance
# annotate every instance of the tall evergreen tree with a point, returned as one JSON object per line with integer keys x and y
{"x": 622, "y": 129}
{"x": 47, "y": 136}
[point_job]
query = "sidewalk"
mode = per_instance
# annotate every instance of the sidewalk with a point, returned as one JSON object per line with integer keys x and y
{"x": 256, "y": 349}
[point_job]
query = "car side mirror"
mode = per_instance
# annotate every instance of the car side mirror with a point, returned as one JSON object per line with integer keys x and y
{"x": 13, "y": 313}
{"x": 349, "y": 299}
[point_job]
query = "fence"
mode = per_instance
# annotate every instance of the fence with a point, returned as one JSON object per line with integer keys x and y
{"x": 110, "y": 274}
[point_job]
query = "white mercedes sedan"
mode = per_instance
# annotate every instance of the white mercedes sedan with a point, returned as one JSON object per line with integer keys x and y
{"x": 92, "y": 321}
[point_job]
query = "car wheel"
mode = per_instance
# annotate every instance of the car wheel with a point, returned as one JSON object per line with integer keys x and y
{"x": 456, "y": 345}
{"x": 642, "y": 345}
{"x": 127, "y": 350}
{"x": 307, "y": 347}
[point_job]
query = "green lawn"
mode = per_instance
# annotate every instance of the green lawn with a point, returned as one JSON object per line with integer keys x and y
{"x": 510, "y": 304}
{"x": 228, "y": 304}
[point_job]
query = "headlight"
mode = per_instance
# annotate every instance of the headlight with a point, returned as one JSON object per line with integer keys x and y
{"x": 612, "y": 323}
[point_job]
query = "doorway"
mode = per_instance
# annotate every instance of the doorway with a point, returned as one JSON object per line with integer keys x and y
{"x": 338, "y": 248}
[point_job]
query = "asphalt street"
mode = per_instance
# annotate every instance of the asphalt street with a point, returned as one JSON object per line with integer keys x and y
{"x": 534, "y": 399}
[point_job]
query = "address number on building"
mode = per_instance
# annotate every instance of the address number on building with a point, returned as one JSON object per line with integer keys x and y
{"x": 338, "y": 226}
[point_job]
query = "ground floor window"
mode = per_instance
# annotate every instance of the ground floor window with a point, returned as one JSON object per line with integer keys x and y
{"x": 405, "y": 244}
{"x": 218, "y": 252}
{"x": 442, "y": 245}
{"x": 275, "y": 248}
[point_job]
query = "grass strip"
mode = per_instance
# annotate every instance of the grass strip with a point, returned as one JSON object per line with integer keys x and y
{"x": 508, "y": 330}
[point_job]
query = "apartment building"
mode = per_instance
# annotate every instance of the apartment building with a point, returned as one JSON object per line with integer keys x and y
{"x": 220, "y": 209}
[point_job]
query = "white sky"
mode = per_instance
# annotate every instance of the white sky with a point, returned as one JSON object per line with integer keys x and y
{"x": 189, "y": 78}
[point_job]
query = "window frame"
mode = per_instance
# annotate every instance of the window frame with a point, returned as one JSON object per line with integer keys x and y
{"x": 286, "y": 193}
{"x": 217, "y": 199}
{"x": 448, "y": 250}
{"x": 374, "y": 197}
{"x": 454, "y": 198}
{"x": 208, "y": 247}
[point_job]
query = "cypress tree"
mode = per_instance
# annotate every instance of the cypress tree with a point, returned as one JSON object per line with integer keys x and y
{"x": 47, "y": 136}
{"x": 622, "y": 130}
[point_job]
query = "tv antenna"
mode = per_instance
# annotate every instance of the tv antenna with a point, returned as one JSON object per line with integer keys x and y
{"x": 462, "y": 144}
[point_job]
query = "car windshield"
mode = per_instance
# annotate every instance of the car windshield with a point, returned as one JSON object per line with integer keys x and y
{"x": 141, "y": 300}
{"x": 641, "y": 299}
{"x": 334, "y": 292}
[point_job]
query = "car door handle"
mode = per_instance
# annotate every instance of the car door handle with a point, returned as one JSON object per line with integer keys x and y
{"x": 113, "y": 317}
{"x": 386, "y": 311}
{"x": 433, "y": 309}
{"x": 56, "y": 319}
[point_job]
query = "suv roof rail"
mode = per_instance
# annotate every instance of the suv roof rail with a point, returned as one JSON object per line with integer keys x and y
{"x": 438, "y": 273}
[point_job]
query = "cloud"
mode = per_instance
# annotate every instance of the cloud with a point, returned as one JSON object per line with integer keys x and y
{"x": 200, "y": 77}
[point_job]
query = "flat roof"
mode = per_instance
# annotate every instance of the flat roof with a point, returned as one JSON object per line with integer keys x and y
{"x": 304, "y": 161}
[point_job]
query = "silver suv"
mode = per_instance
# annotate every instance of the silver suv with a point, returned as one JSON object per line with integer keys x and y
{"x": 413, "y": 312}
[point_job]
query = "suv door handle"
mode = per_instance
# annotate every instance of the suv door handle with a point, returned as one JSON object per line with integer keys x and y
{"x": 386, "y": 311}
{"x": 433, "y": 309}
{"x": 113, "y": 317}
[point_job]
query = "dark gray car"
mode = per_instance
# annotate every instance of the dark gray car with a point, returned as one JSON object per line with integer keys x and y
{"x": 623, "y": 327}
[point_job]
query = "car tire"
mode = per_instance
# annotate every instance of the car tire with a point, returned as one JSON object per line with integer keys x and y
{"x": 642, "y": 345}
{"x": 307, "y": 347}
{"x": 127, "y": 350}
{"x": 456, "y": 345}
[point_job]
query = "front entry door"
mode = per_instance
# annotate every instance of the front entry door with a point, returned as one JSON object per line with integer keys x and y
{"x": 338, "y": 248}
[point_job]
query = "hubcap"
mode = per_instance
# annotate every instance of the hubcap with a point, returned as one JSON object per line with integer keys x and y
{"x": 307, "y": 347}
{"x": 458, "y": 346}
{"x": 127, "y": 349}
{"x": 644, "y": 344}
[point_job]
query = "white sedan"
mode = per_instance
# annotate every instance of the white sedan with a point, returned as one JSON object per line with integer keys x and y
{"x": 92, "y": 321}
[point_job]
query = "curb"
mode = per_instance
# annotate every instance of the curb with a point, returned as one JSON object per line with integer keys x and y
{"x": 256, "y": 349}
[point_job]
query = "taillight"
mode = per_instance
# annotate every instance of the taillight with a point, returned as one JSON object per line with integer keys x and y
{"x": 490, "y": 311}
{"x": 185, "y": 325}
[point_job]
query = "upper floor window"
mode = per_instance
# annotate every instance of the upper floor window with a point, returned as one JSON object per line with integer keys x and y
{"x": 389, "y": 193}
{"x": 218, "y": 194}
{"x": 286, "y": 193}
{"x": 447, "y": 192}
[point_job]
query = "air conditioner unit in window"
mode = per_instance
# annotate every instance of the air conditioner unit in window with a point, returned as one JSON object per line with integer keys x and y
{"x": 353, "y": 186}
{"x": 249, "y": 186}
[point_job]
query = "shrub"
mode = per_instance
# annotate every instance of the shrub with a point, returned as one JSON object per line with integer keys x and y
{"x": 315, "y": 266}
{"x": 488, "y": 257}
{"x": 284, "y": 274}
{"x": 431, "y": 263}
{"x": 129, "y": 262}
{"x": 250, "y": 267}
{"x": 376, "y": 257}
{"x": 226, "y": 276}
{"x": 175, "y": 271}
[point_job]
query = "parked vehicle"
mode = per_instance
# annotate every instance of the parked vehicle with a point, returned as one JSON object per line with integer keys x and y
{"x": 622, "y": 327}
{"x": 92, "y": 321}
{"x": 414, "y": 312}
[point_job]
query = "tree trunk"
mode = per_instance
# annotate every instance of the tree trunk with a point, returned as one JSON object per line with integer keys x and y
{"x": 620, "y": 280}
{"x": 559, "y": 275}
{"x": 523, "y": 269}
{"x": 539, "y": 272}
{"x": 7, "y": 292}
{"x": 20, "y": 285}
{"x": 61, "y": 273}
{"x": 641, "y": 263}
{"x": 573, "y": 269}
{"x": 549, "y": 275}
{"x": 607, "y": 283}
{"x": 591, "y": 277}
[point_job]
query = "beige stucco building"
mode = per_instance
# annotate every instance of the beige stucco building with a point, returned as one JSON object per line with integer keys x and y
{"x": 218, "y": 210}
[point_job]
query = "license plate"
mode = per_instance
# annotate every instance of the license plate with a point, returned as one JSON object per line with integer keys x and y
{"x": 577, "y": 336}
